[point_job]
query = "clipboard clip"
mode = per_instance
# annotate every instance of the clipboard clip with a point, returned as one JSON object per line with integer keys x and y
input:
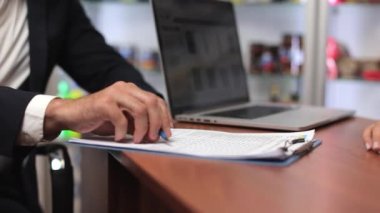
{"x": 294, "y": 147}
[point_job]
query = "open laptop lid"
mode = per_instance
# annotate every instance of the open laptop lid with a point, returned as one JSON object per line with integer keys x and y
{"x": 200, "y": 54}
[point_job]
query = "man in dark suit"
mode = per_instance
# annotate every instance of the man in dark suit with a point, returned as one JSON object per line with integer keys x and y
{"x": 61, "y": 34}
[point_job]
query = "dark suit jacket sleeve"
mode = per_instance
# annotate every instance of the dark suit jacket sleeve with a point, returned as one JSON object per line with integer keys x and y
{"x": 89, "y": 60}
{"x": 13, "y": 104}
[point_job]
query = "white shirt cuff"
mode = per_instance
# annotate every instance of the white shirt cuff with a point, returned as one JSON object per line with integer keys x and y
{"x": 32, "y": 130}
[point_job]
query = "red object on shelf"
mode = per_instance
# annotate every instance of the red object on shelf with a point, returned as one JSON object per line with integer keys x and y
{"x": 336, "y": 2}
{"x": 333, "y": 53}
{"x": 371, "y": 75}
{"x": 333, "y": 50}
{"x": 332, "y": 69}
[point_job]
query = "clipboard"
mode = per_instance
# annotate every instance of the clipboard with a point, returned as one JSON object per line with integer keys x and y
{"x": 263, "y": 162}
{"x": 282, "y": 155}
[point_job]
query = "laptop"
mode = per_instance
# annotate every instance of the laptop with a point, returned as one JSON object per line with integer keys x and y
{"x": 204, "y": 73}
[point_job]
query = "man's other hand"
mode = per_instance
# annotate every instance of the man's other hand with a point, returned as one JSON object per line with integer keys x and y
{"x": 371, "y": 137}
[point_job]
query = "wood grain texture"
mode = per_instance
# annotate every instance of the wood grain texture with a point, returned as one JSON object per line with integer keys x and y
{"x": 339, "y": 176}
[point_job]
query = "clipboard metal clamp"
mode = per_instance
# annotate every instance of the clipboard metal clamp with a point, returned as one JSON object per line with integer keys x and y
{"x": 299, "y": 146}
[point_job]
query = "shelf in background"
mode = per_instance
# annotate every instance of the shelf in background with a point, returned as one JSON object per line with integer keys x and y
{"x": 260, "y": 86}
{"x": 354, "y": 81}
{"x": 267, "y": 2}
{"x": 335, "y": 3}
{"x": 274, "y": 76}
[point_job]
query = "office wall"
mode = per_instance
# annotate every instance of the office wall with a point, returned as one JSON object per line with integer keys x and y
{"x": 357, "y": 27}
{"x": 364, "y": 97}
{"x": 133, "y": 24}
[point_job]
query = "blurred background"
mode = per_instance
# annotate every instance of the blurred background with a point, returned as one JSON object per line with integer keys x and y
{"x": 281, "y": 41}
{"x": 319, "y": 52}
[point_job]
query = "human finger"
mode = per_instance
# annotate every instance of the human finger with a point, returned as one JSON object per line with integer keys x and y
{"x": 167, "y": 122}
{"x": 123, "y": 93}
{"x": 154, "y": 113}
{"x": 367, "y": 137}
{"x": 140, "y": 119}
{"x": 119, "y": 121}
{"x": 138, "y": 116}
{"x": 151, "y": 102}
{"x": 376, "y": 137}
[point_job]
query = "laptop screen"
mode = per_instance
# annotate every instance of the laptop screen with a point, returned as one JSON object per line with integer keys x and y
{"x": 200, "y": 52}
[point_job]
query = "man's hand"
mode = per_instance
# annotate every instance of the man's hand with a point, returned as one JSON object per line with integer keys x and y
{"x": 113, "y": 110}
{"x": 371, "y": 137}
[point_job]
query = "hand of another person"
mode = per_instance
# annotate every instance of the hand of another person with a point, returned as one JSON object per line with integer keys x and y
{"x": 371, "y": 137}
{"x": 113, "y": 110}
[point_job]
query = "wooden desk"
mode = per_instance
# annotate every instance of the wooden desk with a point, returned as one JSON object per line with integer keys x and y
{"x": 339, "y": 176}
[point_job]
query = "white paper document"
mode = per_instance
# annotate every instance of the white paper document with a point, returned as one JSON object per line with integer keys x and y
{"x": 214, "y": 144}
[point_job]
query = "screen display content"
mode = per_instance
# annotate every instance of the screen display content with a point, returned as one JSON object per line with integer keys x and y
{"x": 201, "y": 54}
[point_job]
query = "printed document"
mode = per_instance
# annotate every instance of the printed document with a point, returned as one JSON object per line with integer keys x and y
{"x": 213, "y": 144}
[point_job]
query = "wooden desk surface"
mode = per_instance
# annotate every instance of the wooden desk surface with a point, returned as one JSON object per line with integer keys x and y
{"x": 339, "y": 176}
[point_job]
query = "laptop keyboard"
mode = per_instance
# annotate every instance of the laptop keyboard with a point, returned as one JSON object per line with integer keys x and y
{"x": 251, "y": 112}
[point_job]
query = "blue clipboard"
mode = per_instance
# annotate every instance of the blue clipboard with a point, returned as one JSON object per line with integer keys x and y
{"x": 282, "y": 162}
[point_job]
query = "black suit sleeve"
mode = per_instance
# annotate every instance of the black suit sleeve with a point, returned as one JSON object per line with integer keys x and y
{"x": 89, "y": 60}
{"x": 13, "y": 104}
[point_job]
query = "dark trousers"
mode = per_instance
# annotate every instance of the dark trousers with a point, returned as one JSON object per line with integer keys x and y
{"x": 12, "y": 192}
{"x": 12, "y": 206}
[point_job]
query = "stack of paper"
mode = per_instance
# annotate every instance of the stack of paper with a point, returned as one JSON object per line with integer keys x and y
{"x": 215, "y": 144}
